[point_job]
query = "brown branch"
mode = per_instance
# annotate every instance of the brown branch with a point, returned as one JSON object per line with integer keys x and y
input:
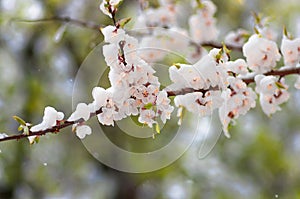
{"x": 64, "y": 124}
{"x": 66, "y": 19}
{"x": 96, "y": 27}
{"x": 280, "y": 73}
{"x": 216, "y": 45}
{"x": 55, "y": 129}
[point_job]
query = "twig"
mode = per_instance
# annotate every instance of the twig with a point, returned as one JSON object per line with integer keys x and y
{"x": 280, "y": 73}
{"x": 66, "y": 19}
{"x": 216, "y": 45}
{"x": 55, "y": 129}
{"x": 96, "y": 27}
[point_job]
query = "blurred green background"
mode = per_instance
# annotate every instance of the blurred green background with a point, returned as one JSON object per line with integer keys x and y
{"x": 38, "y": 67}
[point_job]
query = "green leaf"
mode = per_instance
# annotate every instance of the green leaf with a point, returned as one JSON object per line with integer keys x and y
{"x": 280, "y": 85}
{"x": 200, "y": 5}
{"x": 157, "y": 128}
{"x": 123, "y": 22}
{"x": 20, "y": 128}
{"x": 256, "y": 17}
{"x": 19, "y": 120}
{"x": 219, "y": 55}
{"x": 285, "y": 31}
{"x": 148, "y": 106}
{"x": 225, "y": 49}
{"x": 256, "y": 31}
{"x": 37, "y": 139}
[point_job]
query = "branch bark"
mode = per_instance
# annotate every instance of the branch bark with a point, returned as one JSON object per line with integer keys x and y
{"x": 55, "y": 129}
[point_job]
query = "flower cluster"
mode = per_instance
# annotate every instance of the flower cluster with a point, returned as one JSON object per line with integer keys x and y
{"x": 216, "y": 73}
{"x": 135, "y": 90}
{"x": 261, "y": 54}
{"x": 236, "y": 38}
{"x": 273, "y": 92}
{"x": 51, "y": 116}
{"x": 50, "y": 119}
{"x": 163, "y": 34}
{"x": 163, "y": 16}
{"x": 203, "y": 24}
{"x": 290, "y": 49}
{"x": 238, "y": 99}
{"x": 199, "y": 102}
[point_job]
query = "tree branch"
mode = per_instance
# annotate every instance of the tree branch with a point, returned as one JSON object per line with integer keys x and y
{"x": 216, "y": 45}
{"x": 64, "y": 124}
{"x": 280, "y": 73}
{"x": 66, "y": 19}
{"x": 94, "y": 26}
{"x": 55, "y": 129}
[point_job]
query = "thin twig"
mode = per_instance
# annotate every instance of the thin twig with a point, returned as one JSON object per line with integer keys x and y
{"x": 280, "y": 73}
{"x": 96, "y": 27}
{"x": 55, "y": 129}
{"x": 216, "y": 45}
{"x": 66, "y": 19}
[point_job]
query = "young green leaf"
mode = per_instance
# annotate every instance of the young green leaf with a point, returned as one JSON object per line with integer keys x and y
{"x": 19, "y": 120}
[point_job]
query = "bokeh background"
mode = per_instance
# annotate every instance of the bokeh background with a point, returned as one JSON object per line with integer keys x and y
{"x": 38, "y": 66}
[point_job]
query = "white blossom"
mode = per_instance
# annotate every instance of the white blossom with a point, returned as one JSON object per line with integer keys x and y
{"x": 272, "y": 93}
{"x": 238, "y": 99}
{"x": 151, "y": 49}
{"x": 83, "y": 130}
{"x": 236, "y": 38}
{"x": 107, "y": 116}
{"x": 164, "y": 109}
{"x": 208, "y": 8}
{"x": 112, "y": 34}
{"x": 268, "y": 33}
{"x": 202, "y": 29}
{"x": 203, "y": 24}
{"x": 261, "y": 54}
{"x": 200, "y": 103}
{"x": 238, "y": 66}
{"x": 164, "y": 16}
{"x": 147, "y": 117}
{"x": 31, "y": 139}
{"x": 129, "y": 107}
{"x": 82, "y": 111}
{"x": 3, "y": 135}
{"x": 104, "y": 6}
{"x": 100, "y": 97}
{"x": 49, "y": 119}
{"x": 290, "y": 50}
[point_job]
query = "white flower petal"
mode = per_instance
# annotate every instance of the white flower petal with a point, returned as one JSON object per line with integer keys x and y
{"x": 82, "y": 111}
{"x": 83, "y": 130}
